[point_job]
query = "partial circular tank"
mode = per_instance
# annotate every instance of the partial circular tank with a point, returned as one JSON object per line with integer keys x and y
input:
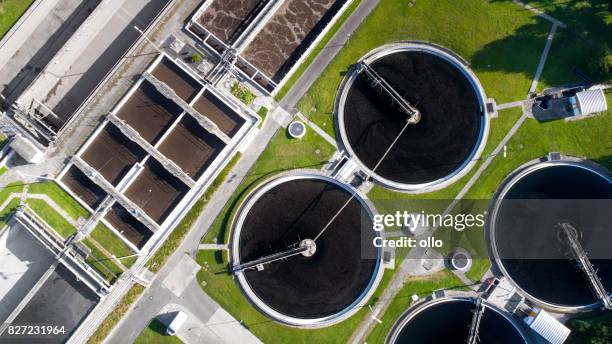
{"x": 526, "y": 235}
{"x": 448, "y": 321}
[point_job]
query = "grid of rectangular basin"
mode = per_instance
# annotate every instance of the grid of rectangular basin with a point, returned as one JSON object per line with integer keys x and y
{"x": 225, "y": 118}
{"x": 271, "y": 47}
{"x": 113, "y": 154}
{"x": 287, "y": 35}
{"x": 149, "y": 112}
{"x": 153, "y": 149}
{"x": 127, "y": 225}
{"x": 203, "y": 147}
{"x": 83, "y": 187}
{"x": 156, "y": 191}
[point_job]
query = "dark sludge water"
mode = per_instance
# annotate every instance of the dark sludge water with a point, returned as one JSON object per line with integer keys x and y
{"x": 440, "y": 143}
{"x": 449, "y": 323}
{"x": 335, "y": 276}
{"x": 529, "y": 241}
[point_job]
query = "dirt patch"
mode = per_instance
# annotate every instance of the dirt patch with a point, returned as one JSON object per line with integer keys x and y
{"x": 149, "y": 112}
{"x": 182, "y": 83}
{"x": 83, "y": 187}
{"x": 288, "y": 34}
{"x": 128, "y": 226}
{"x": 227, "y": 19}
{"x": 156, "y": 191}
{"x": 224, "y": 117}
{"x": 113, "y": 154}
{"x": 191, "y": 147}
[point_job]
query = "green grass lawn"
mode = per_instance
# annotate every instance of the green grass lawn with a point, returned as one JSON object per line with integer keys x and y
{"x": 582, "y": 138}
{"x": 317, "y": 49}
{"x": 282, "y": 154}
{"x": 102, "y": 263}
{"x": 490, "y": 36}
{"x": 3, "y": 139}
{"x": 588, "y": 31}
{"x": 6, "y": 191}
{"x": 113, "y": 244}
{"x": 61, "y": 197}
{"x": 10, "y": 11}
{"x": 52, "y": 217}
{"x": 155, "y": 333}
{"x": 6, "y": 213}
{"x": 221, "y": 286}
{"x": 423, "y": 287}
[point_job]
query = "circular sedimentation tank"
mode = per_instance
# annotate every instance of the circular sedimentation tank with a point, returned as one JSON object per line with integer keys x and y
{"x": 338, "y": 271}
{"x": 526, "y": 239}
{"x": 446, "y": 137}
{"x": 448, "y": 321}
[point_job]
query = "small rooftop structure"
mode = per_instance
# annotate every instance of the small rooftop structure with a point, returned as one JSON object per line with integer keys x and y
{"x": 547, "y": 326}
{"x": 26, "y": 149}
{"x": 591, "y": 101}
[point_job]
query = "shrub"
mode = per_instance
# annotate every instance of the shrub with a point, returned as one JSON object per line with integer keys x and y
{"x": 195, "y": 58}
{"x": 242, "y": 93}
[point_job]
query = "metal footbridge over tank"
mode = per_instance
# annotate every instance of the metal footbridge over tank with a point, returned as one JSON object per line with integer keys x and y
{"x": 475, "y": 324}
{"x": 379, "y": 83}
{"x": 306, "y": 248}
{"x": 580, "y": 256}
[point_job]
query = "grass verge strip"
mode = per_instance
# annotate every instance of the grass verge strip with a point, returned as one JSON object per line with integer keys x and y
{"x": 115, "y": 316}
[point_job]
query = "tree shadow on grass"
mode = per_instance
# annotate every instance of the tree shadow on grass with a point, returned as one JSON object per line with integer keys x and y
{"x": 578, "y": 45}
{"x": 605, "y": 161}
{"x": 157, "y": 326}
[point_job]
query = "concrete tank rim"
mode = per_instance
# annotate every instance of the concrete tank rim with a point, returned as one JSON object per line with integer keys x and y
{"x": 515, "y": 176}
{"x": 260, "y": 305}
{"x": 415, "y": 310}
{"x": 450, "y": 57}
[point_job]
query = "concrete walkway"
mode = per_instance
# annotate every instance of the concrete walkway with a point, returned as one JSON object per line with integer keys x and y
{"x": 32, "y": 173}
{"x": 510, "y": 105}
{"x": 318, "y": 130}
{"x": 214, "y": 247}
{"x": 538, "y": 74}
{"x": 540, "y": 13}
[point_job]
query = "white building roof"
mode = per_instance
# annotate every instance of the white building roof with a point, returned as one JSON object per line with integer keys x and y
{"x": 26, "y": 149}
{"x": 548, "y": 327}
{"x": 591, "y": 101}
